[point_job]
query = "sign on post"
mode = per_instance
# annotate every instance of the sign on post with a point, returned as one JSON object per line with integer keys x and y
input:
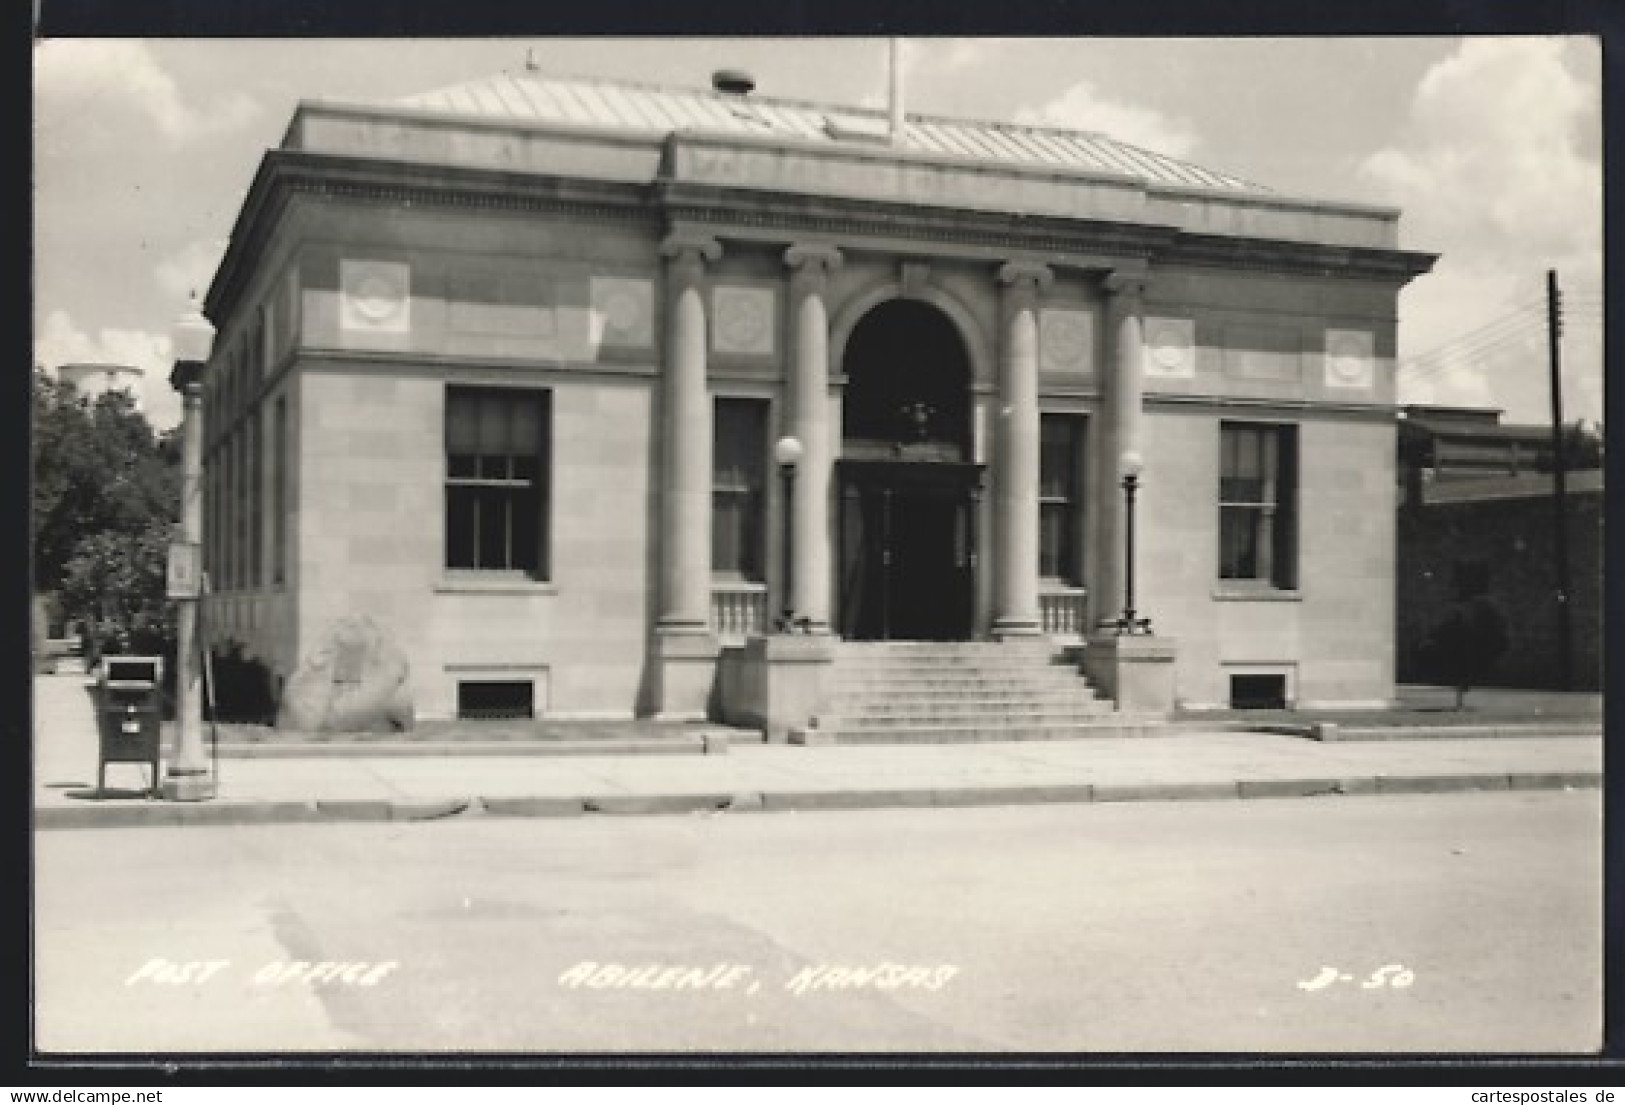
{"x": 185, "y": 577}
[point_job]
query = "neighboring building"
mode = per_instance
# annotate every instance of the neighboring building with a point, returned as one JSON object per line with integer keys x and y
{"x": 93, "y": 380}
{"x": 502, "y": 366}
{"x": 1478, "y": 514}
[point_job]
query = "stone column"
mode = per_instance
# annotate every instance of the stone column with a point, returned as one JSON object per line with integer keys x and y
{"x": 808, "y": 420}
{"x": 1124, "y": 385}
{"x": 1015, "y": 505}
{"x": 685, "y": 650}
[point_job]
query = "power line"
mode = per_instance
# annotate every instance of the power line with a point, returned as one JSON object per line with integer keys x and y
{"x": 1478, "y": 347}
{"x": 1510, "y": 317}
{"x": 1479, "y": 357}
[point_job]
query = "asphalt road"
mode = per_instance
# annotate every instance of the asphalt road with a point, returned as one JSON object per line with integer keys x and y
{"x": 1466, "y": 922}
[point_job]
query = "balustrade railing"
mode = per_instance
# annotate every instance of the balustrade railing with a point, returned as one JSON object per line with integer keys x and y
{"x": 738, "y": 609}
{"x": 1064, "y": 611}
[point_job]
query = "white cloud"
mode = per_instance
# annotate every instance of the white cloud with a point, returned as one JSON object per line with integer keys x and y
{"x": 121, "y": 75}
{"x": 1082, "y": 107}
{"x": 60, "y": 342}
{"x": 190, "y": 270}
{"x": 1496, "y": 170}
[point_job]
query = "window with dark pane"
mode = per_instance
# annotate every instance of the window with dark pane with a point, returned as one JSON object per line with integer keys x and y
{"x": 1257, "y": 503}
{"x": 1060, "y": 500}
{"x": 738, "y": 481}
{"x": 497, "y": 470}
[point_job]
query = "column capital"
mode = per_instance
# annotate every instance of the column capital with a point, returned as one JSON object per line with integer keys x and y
{"x": 1129, "y": 283}
{"x": 1026, "y": 275}
{"x": 813, "y": 259}
{"x": 684, "y": 248}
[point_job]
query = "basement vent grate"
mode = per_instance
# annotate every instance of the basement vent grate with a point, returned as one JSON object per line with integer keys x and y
{"x": 1258, "y": 692}
{"x": 485, "y": 700}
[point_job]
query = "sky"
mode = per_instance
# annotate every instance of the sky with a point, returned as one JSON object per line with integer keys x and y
{"x": 1490, "y": 146}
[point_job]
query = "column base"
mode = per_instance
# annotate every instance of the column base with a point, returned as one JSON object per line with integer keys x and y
{"x": 1135, "y": 670}
{"x": 187, "y": 787}
{"x": 685, "y": 667}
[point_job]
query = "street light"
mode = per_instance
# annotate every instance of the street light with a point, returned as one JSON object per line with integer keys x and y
{"x": 1130, "y": 464}
{"x": 787, "y": 452}
{"x": 189, "y": 778}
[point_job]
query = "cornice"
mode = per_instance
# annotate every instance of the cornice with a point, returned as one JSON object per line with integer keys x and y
{"x": 759, "y": 214}
{"x": 287, "y": 173}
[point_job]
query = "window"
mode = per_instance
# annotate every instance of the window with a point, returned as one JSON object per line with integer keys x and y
{"x": 497, "y": 450}
{"x": 1257, "y": 495}
{"x": 279, "y": 491}
{"x": 738, "y": 466}
{"x": 1060, "y": 513}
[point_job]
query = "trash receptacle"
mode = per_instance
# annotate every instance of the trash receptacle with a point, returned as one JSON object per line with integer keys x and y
{"x": 128, "y": 711}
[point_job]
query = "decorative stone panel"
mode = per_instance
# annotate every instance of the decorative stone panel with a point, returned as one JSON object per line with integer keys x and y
{"x": 1065, "y": 338}
{"x": 1349, "y": 359}
{"x": 622, "y": 312}
{"x": 375, "y": 296}
{"x": 742, "y": 320}
{"x": 1170, "y": 349}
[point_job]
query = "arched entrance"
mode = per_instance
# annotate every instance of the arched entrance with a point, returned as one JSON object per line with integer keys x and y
{"x": 908, "y": 487}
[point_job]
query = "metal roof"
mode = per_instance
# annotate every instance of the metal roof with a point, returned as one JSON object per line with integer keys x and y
{"x": 537, "y": 98}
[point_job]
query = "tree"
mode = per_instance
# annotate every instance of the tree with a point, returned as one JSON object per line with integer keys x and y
{"x": 115, "y": 584}
{"x": 105, "y": 491}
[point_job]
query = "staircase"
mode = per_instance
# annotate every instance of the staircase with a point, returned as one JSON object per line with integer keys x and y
{"x": 929, "y": 692}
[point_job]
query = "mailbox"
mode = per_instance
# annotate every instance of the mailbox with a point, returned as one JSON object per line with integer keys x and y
{"x": 128, "y": 708}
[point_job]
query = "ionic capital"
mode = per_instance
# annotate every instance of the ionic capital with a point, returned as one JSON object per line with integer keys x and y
{"x": 687, "y": 252}
{"x": 1026, "y": 275}
{"x": 813, "y": 260}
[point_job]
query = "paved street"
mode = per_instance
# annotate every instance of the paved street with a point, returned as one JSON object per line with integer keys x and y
{"x": 1408, "y": 922}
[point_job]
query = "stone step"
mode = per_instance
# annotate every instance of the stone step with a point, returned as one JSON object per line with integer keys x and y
{"x": 1108, "y": 726}
{"x": 1082, "y": 695}
{"x": 969, "y": 686}
{"x": 991, "y": 723}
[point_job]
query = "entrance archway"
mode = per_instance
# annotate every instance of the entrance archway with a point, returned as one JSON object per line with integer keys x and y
{"x": 908, "y": 488}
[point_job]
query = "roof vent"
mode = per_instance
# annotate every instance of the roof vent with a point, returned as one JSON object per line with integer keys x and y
{"x": 734, "y": 82}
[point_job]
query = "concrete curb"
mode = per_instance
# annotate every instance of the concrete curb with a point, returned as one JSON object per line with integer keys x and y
{"x": 152, "y": 813}
{"x": 1331, "y": 731}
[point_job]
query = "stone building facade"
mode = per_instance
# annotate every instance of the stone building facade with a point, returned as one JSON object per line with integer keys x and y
{"x": 503, "y": 368}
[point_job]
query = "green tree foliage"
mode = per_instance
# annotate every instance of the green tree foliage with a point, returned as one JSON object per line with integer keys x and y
{"x": 106, "y": 489}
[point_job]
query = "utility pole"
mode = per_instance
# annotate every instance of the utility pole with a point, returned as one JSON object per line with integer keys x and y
{"x": 1560, "y": 530}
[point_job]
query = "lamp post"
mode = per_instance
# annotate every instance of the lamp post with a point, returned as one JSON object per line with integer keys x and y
{"x": 188, "y": 778}
{"x": 787, "y": 452}
{"x": 1130, "y": 464}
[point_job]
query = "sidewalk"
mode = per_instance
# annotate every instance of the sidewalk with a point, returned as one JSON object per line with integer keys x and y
{"x": 375, "y": 782}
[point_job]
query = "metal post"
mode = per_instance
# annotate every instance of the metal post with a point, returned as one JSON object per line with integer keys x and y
{"x": 1131, "y": 483}
{"x": 1560, "y": 537}
{"x": 188, "y": 778}
{"x": 1128, "y": 623}
{"x": 788, "y": 472}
